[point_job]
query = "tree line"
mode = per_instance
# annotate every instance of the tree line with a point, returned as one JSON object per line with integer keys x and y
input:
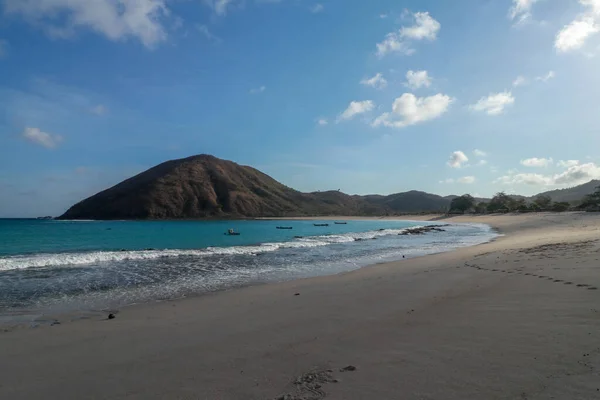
{"x": 502, "y": 203}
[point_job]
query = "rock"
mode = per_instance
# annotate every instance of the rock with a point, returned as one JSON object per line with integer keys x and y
{"x": 111, "y": 316}
{"x": 296, "y": 294}
{"x": 348, "y": 368}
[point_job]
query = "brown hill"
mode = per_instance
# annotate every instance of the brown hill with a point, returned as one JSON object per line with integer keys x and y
{"x": 204, "y": 186}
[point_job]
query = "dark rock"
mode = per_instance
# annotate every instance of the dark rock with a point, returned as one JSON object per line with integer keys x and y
{"x": 348, "y": 368}
{"x": 112, "y": 316}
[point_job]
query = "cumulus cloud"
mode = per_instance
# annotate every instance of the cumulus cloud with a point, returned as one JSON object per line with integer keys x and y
{"x": 417, "y": 79}
{"x": 573, "y": 175}
{"x": 322, "y": 121}
{"x": 115, "y": 19}
{"x": 567, "y": 163}
{"x": 424, "y": 28}
{"x": 37, "y": 136}
{"x": 466, "y": 179}
{"x": 457, "y": 159}
{"x": 410, "y": 110}
{"x": 449, "y": 180}
{"x": 257, "y": 90}
{"x": 536, "y": 162}
{"x": 479, "y": 153}
{"x": 355, "y": 108}
{"x": 574, "y": 35}
{"x": 377, "y": 82}
{"x": 521, "y": 10}
{"x": 494, "y": 104}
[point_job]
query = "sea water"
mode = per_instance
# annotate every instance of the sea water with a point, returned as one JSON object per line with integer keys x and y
{"x": 66, "y": 266}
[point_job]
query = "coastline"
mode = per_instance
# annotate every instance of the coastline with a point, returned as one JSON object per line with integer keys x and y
{"x": 448, "y": 325}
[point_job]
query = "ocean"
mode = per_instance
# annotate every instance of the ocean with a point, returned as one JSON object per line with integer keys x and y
{"x": 49, "y": 266}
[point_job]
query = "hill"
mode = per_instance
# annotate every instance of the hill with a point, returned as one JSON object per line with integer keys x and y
{"x": 204, "y": 186}
{"x": 574, "y": 194}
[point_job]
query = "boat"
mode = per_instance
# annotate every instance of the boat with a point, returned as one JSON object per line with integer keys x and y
{"x": 284, "y": 227}
{"x": 321, "y": 224}
{"x": 340, "y": 223}
{"x": 231, "y": 232}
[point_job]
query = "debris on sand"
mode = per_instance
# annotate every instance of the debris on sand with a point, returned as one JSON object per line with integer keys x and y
{"x": 422, "y": 230}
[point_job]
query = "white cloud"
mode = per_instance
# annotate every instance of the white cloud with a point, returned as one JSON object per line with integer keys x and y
{"x": 355, "y": 108}
{"x": 479, "y": 153}
{"x": 35, "y": 135}
{"x": 417, "y": 79}
{"x": 383, "y": 16}
{"x": 577, "y": 174}
{"x": 521, "y": 10}
{"x": 519, "y": 81}
{"x": 425, "y": 27}
{"x": 574, "y": 35}
{"x": 466, "y": 179}
{"x": 535, "y": 162}
{"x": 377, "y": 82}
{"x": 257, "y": 90}
{"x": 567, "y": 163}
{"x": 220, "y": 7}
{"x": 322, "y": 121}
{"x": 573, "y": 175}
{"x": 410, "y": 110}
{"x": 449, "y": 180}
{"x": 317, "y": 8}
{"x": 457, "y": 159}
{"x": 547, "y": 77}
{"x": 3, "y": 48}
{"x": 115, "y": 19}
{"x": 100, "y": 109}
{"x": 482, "y": 162}
{"x": 494, "y": 104}
{"x": 527, "y": 179}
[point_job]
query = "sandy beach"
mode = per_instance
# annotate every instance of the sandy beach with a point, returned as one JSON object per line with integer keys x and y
{"x": 518, "y": 318}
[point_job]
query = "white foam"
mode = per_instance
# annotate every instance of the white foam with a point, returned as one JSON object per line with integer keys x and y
{"x": 76, "y": 259}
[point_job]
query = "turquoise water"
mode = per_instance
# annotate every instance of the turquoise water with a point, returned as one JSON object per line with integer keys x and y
{"x": 51, "y": 266}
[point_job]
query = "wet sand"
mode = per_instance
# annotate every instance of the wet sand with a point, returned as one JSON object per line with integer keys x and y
{"x": 518, "y": 318}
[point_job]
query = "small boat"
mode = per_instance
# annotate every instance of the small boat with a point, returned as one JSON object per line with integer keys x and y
{"x": 284, "y": 227}
{"x": 340, "y": 223}
{"x": 321, "y": 224}
{"x": 231, "y": 232}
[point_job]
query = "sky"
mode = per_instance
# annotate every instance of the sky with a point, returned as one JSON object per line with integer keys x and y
{"x": 366, "y": 96}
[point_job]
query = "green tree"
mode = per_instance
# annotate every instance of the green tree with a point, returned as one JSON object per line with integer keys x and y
{"x": 481, "y": 207}
{"x": 591, "y": 200}
{"x": 501, "y": 202}
{"x": 462, "y": 203}
{"x": 561, "y": 206}
{"x": 543, "y": 202}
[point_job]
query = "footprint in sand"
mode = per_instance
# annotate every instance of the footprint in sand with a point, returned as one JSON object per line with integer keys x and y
{"x": 592, "y": 288}
{"x": 558, "y": 280}
{"x": 582, "y": 285}
{"x": 568, "y": 283}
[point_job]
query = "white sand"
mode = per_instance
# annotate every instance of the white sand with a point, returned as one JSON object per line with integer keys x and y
{"x": 504, "y": 320}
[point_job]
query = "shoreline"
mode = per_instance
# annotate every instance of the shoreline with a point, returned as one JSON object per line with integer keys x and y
{"x": 34, "y": 318}
{"x": 512, "y": 318}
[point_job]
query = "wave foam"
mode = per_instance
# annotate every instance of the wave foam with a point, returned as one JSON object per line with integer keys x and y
{"x": 76, "y": 259}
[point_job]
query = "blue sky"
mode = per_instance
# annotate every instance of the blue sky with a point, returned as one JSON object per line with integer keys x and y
{"x": 468, "y": 96}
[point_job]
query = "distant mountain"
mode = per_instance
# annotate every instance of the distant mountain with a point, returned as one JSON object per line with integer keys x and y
{"x": 574, "y": 194}
{"x": 204, "y": 186}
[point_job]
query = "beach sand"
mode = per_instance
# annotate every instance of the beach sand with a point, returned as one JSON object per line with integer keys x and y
{"x": 518, "y": 318}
